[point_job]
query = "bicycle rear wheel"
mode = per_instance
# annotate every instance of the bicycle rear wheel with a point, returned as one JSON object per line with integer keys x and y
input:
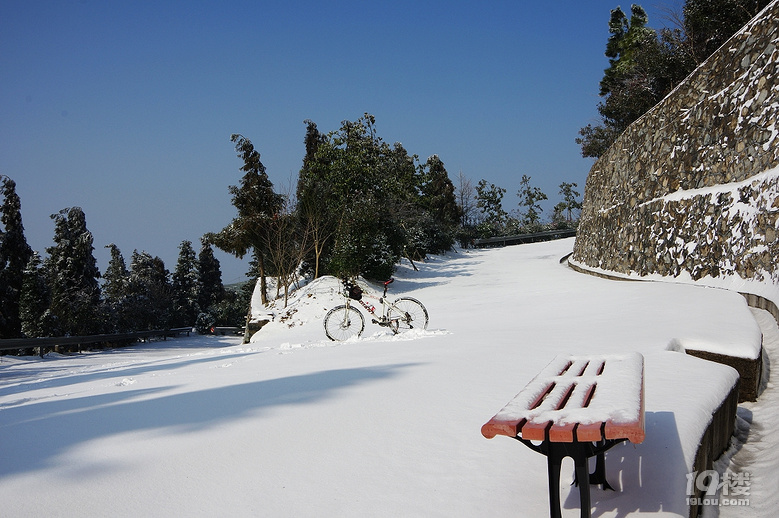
{"x": 342, "y": 323}
{"x": 409, "y": 313}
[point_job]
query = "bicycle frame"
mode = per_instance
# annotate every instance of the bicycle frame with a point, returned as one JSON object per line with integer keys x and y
{"x": 383, "y": 319}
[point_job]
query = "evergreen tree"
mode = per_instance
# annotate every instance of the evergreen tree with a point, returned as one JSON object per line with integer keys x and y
{"x": 431, "y": 219}
{"x": 529, "y": 197}
{"x": 15, "y": 254}
{"x": 256, "y": 203}
{"x": 314, "y": 214}
{"x": 73, "y": 276}
{"x": 210, "y": 288}
{"x": 366, "y": 203}
{"x": 186, "y": 286}
{"x": 149, "y": 294}
{"x": 116, "y": 282}
{"x": 116, "y": 276}
{"x": 36, "y": 319}
{"x": 489, "y": 199}
{"x": 570, "y": 202}
{"x": 627, "y": 84}
{"x": 438, "y": 193}
{"x": 708, "y": 24}
{"x": 366, "y": 186}
{"x": 644, "y": 65}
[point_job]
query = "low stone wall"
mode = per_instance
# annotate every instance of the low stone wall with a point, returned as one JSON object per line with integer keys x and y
{"x": 716, "y": 439}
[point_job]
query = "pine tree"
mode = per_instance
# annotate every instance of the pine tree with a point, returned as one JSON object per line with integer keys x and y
{"x": 73, "y": 276}
{"x": 529, "y": 197}
{"x": 314, "y": 213}
{"x": 708, "y": 24}
{"x": 256, "y": 203}
{"x": 210, "y": 288}
{"x": 185, "y": 286}
{"x": 438, "y": 193}
{"x": 489, "y": 199}
{"x": 116, "y": 275}
{"x": 570, "y": 202}
{"x": 15, "y": 254}
{"x": 36, "y": 319}
{"x": 149, "y": 297}
{"x": 115, "y": 291}
{"x": 644, "y": 65}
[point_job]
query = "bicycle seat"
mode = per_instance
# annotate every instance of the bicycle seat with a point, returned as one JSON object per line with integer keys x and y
{"x": 387, "y": 283}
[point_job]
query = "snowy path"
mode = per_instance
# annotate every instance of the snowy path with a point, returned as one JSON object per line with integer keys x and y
{"x": 296, "y": 425}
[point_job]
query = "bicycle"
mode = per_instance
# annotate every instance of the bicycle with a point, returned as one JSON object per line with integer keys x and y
{"x": 345, "y": 321}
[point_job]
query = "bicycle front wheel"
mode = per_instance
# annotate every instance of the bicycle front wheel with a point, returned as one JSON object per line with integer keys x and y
{"x": 409, "y": 313}
{"x": 342, "y": 323}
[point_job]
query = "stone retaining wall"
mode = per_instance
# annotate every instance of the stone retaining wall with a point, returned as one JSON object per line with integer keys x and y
{"x": 692, "y": 187}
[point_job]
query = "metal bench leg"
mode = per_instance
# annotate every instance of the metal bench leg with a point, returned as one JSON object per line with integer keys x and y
{"x": 553, "y": 465}
{"x": 599, "y": 476}
{"x": 582, "y": 470}
{"x": 580, "y": 452}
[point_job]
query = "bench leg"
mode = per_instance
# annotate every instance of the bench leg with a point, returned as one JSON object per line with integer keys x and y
{"x": 582, "y": 470}
{"x": 580, "y": 452}
{"x": 555, "y": 454}
{"x": 599, "y": 476}
{"x": 553, "y": 465}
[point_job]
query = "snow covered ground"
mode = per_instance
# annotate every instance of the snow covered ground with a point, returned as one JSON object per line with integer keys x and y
{"x": 293, "y": 424}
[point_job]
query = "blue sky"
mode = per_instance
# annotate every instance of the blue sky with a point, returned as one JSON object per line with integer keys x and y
{"x": 126, "y": 108}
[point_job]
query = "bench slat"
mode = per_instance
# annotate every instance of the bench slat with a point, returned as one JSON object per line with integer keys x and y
{"x": 573, "y": 397}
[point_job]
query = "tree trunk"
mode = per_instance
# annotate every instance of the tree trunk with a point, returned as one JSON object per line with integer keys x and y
{"x": 263, "y": 282}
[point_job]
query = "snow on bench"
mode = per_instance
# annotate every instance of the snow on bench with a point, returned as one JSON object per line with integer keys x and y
{"x": 578, "y": 398}
{"x": 578, "y": 407}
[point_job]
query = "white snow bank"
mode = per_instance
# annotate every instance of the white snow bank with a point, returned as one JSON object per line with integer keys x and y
{"x": 739, "y": 336}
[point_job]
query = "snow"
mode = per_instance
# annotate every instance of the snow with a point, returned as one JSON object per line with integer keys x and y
{"x": 616, "y": 399}
{"x": 740, "y": 217}
{"x": 293, "y": 424}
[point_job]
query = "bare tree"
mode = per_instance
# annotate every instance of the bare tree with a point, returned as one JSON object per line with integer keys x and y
{"x": 287, "y": 244}
{"x": 466, "y": 199}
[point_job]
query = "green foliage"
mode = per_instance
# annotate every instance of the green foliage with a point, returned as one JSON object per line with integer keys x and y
{"x": 73, "y": 276}
{"x": 570, "y": 203}
{"x": 489, "y": 199}
{"x": 708, "y": 24}
{"x": 149, "y": 297}
{"x": 15, "y": 254}
{"x": 644, "y": 65}
{"x": 185, "y": 287}
{"x": 256, "y": 203}
{"x": 529, "y": 197}
{"x": 366, "y": 203}
{"x": 36, "y": 319}
{"x": 209, "y": 278}
{"x": 115, "y": 291}
{"x": 231, "y": 310}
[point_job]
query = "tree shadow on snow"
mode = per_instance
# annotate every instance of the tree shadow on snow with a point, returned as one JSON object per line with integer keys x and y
{"x": 34, "y": 435}
{"x": 59, "y": 373}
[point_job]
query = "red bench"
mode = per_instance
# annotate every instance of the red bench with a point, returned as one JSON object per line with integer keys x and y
{"x": 578, "y": 407}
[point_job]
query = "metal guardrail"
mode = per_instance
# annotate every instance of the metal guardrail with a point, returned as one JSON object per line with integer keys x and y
{"x": 7, "y": 344}
{"x": 518, "y": 239}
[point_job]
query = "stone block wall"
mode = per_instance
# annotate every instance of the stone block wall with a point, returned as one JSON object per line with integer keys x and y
{"x": 691, "y": 189}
